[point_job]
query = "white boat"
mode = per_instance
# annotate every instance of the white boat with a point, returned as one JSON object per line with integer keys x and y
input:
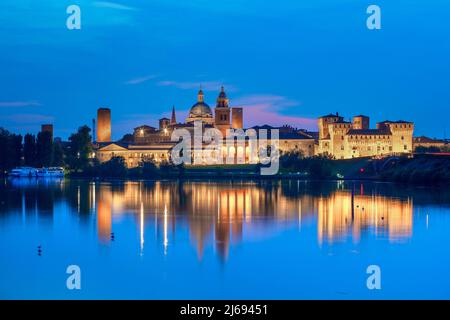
{"x": 23, "y": 172}
{"x": 51, "y": 172}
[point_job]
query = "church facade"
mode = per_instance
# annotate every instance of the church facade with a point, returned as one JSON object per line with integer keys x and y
{"x": 337, "y": 138}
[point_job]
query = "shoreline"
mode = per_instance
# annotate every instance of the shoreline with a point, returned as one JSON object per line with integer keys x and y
{"x": 419, "y": 170}
{"x": 235, "y": 178}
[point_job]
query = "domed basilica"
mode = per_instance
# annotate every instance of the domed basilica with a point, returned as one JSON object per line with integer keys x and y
{"x": 201, "y": 111}
{"x": 147, "y": 142}
{"x": 223, "y": 118}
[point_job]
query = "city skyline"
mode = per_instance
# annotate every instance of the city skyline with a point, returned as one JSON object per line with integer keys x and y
{"x": 139, "y": 59}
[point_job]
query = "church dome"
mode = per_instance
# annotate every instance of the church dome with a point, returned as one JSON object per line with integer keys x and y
{"x": 200, "y": 110}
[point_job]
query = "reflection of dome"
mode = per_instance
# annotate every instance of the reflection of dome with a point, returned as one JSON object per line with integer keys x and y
{"x": 200, "y": 109}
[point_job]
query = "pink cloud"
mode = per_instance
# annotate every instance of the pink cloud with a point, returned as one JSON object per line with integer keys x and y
{"x": 268, "y": 109}
{"x": 131, "y": 121}
{"x": 19, "y": 103}
{"x": 258, "y": 110}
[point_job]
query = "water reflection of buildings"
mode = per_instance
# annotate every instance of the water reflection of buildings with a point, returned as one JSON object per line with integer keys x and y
{"x": 344, "y": 213}
{"x": 222, "y": 213}
{"x": 218, "y": 213}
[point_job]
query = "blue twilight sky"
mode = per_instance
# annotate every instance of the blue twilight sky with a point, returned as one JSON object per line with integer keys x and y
{"x": 283, "y": 61}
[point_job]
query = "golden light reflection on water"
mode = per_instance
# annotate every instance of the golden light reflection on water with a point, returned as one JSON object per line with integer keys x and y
{"x": 220, "y": 213}
{"x": 346, "y": 213}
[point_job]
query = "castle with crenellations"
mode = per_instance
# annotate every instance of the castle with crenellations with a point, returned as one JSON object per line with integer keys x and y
{"x": 336, "y": 137}
{"x": 346, "y": 140}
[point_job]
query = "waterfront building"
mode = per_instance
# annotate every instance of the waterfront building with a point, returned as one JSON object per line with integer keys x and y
{"x": 427, "y": 142}
{"x": 150, "y": 143}
{"x": 337, "y": 138}
{"x": 345, "y": 140}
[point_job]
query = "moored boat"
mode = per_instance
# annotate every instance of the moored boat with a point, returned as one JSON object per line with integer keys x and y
{"x": 51, "y": 172}
{"x": 23, "y": 172}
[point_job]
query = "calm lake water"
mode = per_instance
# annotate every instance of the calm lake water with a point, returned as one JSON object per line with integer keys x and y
{"x": 223, "y": 239}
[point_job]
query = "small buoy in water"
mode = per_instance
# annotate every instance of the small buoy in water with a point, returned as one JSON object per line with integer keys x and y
{"x": 39, "y": 250}
{"x": 112, "y": 236}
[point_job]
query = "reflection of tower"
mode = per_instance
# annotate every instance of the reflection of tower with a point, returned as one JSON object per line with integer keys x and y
{"x": 222, "y": 228}
{"x": 104, "y": 217}
{"x": 142, "y": 228}
{"x": 45, "y": 204}
{"x": 166, "y": 227}
{"x": 222, "y": 113}
{"x": 229, "y": 224}
{"x": 103, "y": 125}
{"x": 342, "y": 212}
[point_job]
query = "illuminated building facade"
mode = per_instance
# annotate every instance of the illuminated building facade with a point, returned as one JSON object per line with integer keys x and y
{"x": 427, "y": 142}
{"x": 336, "y": 137}
{"x": 150, "y": 143}
{"x": 345, "y": 140}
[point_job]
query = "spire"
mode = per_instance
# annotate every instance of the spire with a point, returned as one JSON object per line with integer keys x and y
{"x": 173, "y": 119}
{"x": 200, "y": 94}
{"x": 222, "y": 100}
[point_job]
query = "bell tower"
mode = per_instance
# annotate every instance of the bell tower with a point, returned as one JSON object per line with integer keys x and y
{"x": 222, "y": 113}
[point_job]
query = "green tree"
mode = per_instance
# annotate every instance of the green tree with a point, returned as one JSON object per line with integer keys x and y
{"x": 10, "y": 150}
{"x": 149, "y": 169}
{"x": 293, "y": 161}
{"x": 127, "y": 138}
{"x": 115, "y": 167}
{"x": 432, "y": 149}
{"x": 166, "y": 168}
{"x": 58, "y": 155}
{"x": 16, "y": 150}
{"x": 44, "y": 149}
{"x": 80, "y": 148}
{"x": 4, "y": 150}
{"x": 29, "y": 150}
